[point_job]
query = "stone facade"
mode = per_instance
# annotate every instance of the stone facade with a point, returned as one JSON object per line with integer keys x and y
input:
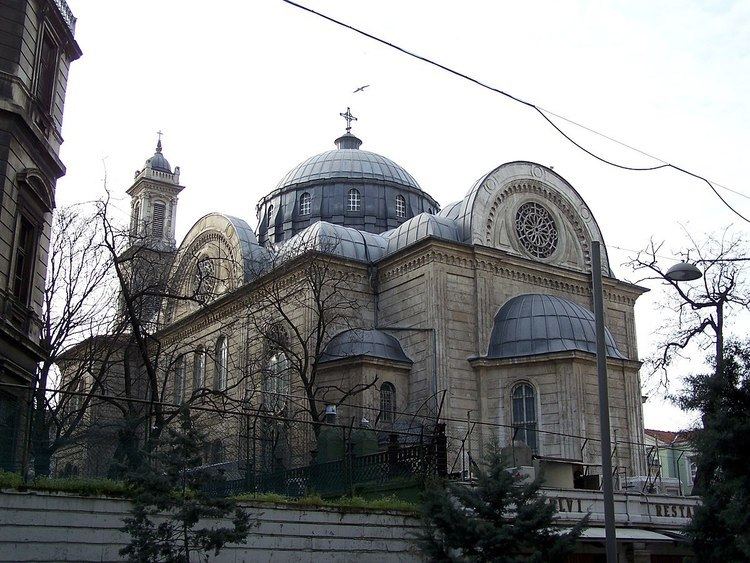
{"x": 435, "y": 284}
{"x": 36, "y": 49}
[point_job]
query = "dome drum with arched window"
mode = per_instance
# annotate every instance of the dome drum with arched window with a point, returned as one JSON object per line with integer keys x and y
{"x": 346, "y": 186}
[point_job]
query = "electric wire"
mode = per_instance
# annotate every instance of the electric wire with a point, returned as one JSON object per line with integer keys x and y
{"x": 542, "y": 112}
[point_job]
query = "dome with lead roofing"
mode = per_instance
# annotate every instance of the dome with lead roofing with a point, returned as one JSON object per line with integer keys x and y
{"x": 355, "y": 343}
{"x": 346, "y": 186}
{"x": 158, "y": 162}
{"x": 533, "y": 324}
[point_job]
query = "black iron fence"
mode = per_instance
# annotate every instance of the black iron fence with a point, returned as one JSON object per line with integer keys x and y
{"x": 395, "y": 467}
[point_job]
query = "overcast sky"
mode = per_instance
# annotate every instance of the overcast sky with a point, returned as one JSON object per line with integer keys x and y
{"x": 244, "y": 91}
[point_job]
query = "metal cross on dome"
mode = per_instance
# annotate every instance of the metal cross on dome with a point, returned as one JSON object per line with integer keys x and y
{"x": 349, "y": 118}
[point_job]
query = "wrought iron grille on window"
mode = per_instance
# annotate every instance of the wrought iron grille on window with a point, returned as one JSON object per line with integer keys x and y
{"x": 222, "y": 364}
{"x": 199, "y": 368}
{"x": 400, "y": 206}
{"x": 536, "y": 230}
{"x": 524, "y": 415}
{"x": 354, "y": 199}
{"x": 304, "y": 204}
{"x": 179, "y": 380}
{"x": 387, "y": 402}
{"x": 276, "y": 382}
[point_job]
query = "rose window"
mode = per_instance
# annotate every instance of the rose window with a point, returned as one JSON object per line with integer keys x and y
{"x": 204, "y": 278}
{"x": 536, "y": 230}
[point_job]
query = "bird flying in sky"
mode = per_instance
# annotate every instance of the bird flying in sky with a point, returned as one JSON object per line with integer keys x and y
{"x": 361, "y": 88}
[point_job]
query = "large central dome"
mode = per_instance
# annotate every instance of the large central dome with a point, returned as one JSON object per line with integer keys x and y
{"x": 348, "y": 164}
{"x": 346, "y": 186}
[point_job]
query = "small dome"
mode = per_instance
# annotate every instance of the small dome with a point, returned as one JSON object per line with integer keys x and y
{"x": 158, "y": 162}
{"x": 539, "y": 324}
{"x": 359, "y": 342}
{"x": 348, "y": 164}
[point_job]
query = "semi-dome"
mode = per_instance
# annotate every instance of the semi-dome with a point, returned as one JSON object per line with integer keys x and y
{"x": 358, "y": 342}
{"x": 534, "y": 324}
{"x": 158, "y": 162}
{"x": 346, "y": 186}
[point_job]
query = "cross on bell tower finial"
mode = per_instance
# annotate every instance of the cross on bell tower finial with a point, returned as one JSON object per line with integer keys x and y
{"x": 158, "y": 143}
{"x": 349, "y": 118}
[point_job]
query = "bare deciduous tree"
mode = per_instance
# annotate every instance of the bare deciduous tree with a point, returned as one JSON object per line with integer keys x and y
{"x": 697, "y": 312}
{"x": 309, "y": 296}
{"x": 75, "y": 310}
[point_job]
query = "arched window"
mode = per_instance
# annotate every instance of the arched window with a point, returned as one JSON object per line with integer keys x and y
{"x": 136, "y": 217}
{"x": 269, "y": 214}
{"x": 524, "y": 415}
{"x": 217, "y": 451}
{"x": 400, "y": 206}
{"x": 276, "y": 382}
{"x": 199, "y": 368}
{"x": 353, "y": 201}
{"x": 304, "y": 204}
{"x": 179, "y": 380}
{"x": 157, "y": 225}
{"x": 221, "y": 360}
{"x": 387, "y": 402}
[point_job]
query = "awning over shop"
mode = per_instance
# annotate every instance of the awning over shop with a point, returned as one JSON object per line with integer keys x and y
{"x": 626, "y": 534}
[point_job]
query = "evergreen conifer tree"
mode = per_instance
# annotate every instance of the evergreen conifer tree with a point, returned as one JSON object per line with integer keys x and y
{"x": 502, "y": 519}
{"x": 169, "y": 503}
{"x": 720, "y": 529}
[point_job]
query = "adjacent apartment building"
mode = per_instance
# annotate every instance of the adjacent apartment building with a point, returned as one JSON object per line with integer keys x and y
{"x": 37, "y": 45}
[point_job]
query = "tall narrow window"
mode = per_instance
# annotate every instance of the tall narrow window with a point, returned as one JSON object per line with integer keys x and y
{"x": 221, "y": 364}
{"x": 157, "y": 227}
{"x": 45, "y": 85}
{"x": 22, "y": 274}
{"x": 136, "y": 217}
{"x": 400, "y": 206}
{"x": 524, "y": 415}
{"x": 199, "y": 368}
{"x": 179, "y": 380}
{"x": 304, "y": 204}
{"x": 276, "y": 382}
{"x": 353, "y": 201}
{"x": 387, "y": 402}
{"x": 269, "y": 214}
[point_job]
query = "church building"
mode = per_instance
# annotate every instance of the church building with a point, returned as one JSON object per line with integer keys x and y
{"x": 477, "y": 311}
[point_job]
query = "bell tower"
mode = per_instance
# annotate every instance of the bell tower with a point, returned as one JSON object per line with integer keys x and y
{"x": 153, "y": 210}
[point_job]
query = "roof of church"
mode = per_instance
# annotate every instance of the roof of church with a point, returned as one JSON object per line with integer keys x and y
{"x": 158, "y": 162}
{"x": 348, "y": 164}
{"x": 360, "y": 342}
{"x": 337, "y": 240}
{"x": 533, "y": 324}
{"x": 422, "y": 226}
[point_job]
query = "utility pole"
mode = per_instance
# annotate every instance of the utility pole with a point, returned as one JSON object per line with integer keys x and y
{"x": 601, "y": 369}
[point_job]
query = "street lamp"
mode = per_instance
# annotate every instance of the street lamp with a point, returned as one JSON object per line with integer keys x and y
{"x": 684, "y": 271}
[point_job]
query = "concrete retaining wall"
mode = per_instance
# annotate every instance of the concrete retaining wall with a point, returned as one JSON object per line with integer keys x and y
{"x": 38, "y": 526}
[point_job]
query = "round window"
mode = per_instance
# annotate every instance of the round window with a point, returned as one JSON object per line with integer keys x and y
{"x": 536, "y": 230}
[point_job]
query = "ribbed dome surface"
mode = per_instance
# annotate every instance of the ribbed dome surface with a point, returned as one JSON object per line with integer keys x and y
{"x": 359, "y": 342}
{"x": 158, "y": 162}
{"x": 348, "y": 164}
{"x": 539, "y": 324}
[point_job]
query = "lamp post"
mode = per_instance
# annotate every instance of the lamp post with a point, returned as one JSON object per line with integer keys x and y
{"x": 684, "y": 271}
{"x": 601, "y": 370}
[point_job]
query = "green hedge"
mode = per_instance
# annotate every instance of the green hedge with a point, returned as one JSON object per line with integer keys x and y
{"x": 78, "y": 485}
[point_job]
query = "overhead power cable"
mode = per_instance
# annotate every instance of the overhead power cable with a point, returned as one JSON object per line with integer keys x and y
{"x": 663, "y": 164}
